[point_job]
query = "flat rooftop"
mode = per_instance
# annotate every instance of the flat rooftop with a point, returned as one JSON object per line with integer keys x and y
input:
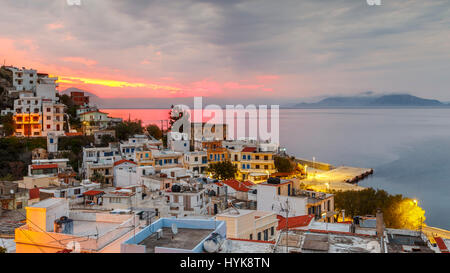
{"x": 243, "y": 246}
{"x": 48, "y": 203}
{"x": 85, "y": 228}
{"x": 186, "y": 238}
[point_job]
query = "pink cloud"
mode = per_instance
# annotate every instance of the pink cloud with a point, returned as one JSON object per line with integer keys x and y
{"x": 80, "y": 60}
{"x": 55, "y": 26}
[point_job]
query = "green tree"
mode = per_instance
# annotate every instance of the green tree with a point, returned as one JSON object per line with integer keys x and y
{"x": 398, "y": 211}
{"x": 98, "y": 178}
{"x": 127, "y": 129}
{"x": 154, "y": 131}
{"x": 284, "y": 164}
{"x": 223, "y": 170}
{"x": 8, "y": 124}
{"x": 106, "y": 139}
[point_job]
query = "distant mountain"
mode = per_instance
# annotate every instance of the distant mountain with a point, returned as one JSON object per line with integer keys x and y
{"x": 395, "y": 100}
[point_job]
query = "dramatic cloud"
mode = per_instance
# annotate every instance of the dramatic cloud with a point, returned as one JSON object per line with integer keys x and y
{"x": 233, "y": 49}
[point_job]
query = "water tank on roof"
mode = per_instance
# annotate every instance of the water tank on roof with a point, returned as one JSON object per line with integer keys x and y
{"x": 273, "y": 180}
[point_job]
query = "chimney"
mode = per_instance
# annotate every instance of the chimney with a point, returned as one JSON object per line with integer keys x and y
{"x": 380, "y": 224}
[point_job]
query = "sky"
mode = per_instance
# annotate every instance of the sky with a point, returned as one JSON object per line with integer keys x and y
{"x": 135, "y": 53}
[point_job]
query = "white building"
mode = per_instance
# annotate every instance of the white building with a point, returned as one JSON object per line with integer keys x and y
{"x": 100, "y": 160}
{"x": 23, "y": 79}
{"x": 52, "y": 142}
{"x": 137, "y": 143}
{"x": 196, "y": 162}
{"x": 46, "y": 88}
{"x": 272, "y": 197}
{"x": 53, "y": 117}
{"x": 125, "y": 173}
{"x": 191, "y": 200}
{"x": 177, "y": 173}
{"x": 178, "y": 142}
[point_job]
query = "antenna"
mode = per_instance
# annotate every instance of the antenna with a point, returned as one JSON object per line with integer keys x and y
{"x": 285, "y": 208}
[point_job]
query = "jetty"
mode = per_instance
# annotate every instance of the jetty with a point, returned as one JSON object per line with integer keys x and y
{"x": 324, "y": 176}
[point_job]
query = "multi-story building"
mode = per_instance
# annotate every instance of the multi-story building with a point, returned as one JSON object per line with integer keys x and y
{"x": 196, "y": 162}
{"x": 159, "y": 159}
{"x": 255, "y": 165}
{"x": 23, "y": 79}
{"x": 188, "y": 200}
{"x": 94, "y": 120}
{"x": 28, "y": 116}
{"x": 249, "y": 224}
{"x": 100, "y": 160}
{"x": 277, "y": 196}
{"x": 53, "y": 117}
{"x": 46, "y": 87}
{"x": 137, "y": 143}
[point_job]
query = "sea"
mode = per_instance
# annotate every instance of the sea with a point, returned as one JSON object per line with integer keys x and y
{"x": 408, "y": 148}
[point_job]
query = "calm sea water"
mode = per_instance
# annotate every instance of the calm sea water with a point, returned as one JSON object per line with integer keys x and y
{"x": 409, "y": 149}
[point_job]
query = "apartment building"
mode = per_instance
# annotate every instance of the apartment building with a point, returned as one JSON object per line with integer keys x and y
{"x": 276, "y": 195}
{"x": 159, "y": 159}
{"x": 249, "y": 224}
{"x": 53, "y": 117}
{"x": 185, "y": 200}
{"x": 23, "y": 79}
{"x": 100, "y": 160}
{"x": 196, "y": 162}
{"x": 255, "y": 165}
{"x": 28, "y": 116}
{"x": 93, "y": 121}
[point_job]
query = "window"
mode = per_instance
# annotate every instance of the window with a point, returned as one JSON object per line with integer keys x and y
{"x": 251, "y": 236}
{"x": 77, "y": 191}
{"x": 49, "y": 109}
{"x": 272, "y": 231}
{"x": 49, "y": 117}
{"x": 259, "y": 236}
{"x": 279, "y": 190}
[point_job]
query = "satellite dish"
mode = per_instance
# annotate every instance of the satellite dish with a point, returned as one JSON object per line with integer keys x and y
{"x": 174, "y": 229}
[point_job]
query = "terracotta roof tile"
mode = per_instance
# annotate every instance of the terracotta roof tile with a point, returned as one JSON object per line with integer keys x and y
{"x": 294, "y": 222}
{"x": 123, "y": 161}
{"x": 236, "y": 185}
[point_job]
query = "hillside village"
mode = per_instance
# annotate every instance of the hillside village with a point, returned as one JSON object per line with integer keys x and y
{"x": 75, "y": 179}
